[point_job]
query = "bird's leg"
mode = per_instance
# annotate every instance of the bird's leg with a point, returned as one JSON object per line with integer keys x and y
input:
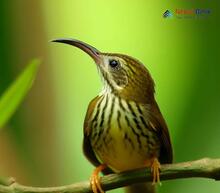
{"x": 155, "y": 169}
{"x": 95, "y": 179}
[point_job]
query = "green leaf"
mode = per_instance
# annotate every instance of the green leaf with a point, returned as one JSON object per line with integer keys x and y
{"x": 15, "y": 94}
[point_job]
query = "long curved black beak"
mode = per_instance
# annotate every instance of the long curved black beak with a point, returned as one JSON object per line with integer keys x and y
{"x": 93, "y": 52}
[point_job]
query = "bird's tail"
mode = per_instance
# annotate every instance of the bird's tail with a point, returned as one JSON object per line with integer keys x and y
{"x": 141, "y": 188}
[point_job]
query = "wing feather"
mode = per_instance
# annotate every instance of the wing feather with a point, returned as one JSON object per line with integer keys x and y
{"x": 87, "y": 147}
{"x": 158, "y": 123}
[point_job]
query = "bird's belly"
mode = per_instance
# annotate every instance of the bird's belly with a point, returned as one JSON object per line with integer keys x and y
{"x": 123, "y": 150}
{"x": 120, "y": 138}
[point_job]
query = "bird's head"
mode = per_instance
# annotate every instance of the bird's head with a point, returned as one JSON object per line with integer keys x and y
{"x": 122, "y": 75}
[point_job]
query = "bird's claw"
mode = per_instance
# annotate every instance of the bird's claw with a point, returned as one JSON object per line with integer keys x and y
{"x": 95, "y": 180}
{"x": 155, "y": 169}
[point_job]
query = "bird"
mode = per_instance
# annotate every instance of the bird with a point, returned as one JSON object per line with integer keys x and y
{"x": 124, "y": 128}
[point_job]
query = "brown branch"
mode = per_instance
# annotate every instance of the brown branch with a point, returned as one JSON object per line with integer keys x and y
{"x": 204, "y": 168}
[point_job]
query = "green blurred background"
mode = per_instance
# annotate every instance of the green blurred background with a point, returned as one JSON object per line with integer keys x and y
{"x": 41, "y": 145}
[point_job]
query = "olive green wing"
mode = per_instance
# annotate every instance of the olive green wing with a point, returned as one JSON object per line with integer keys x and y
{"x": 87, "y": 147}
{"x": 158, "y": 124}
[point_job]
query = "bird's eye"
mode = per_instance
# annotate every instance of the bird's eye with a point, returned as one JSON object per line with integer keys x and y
{"x": 113, "y": 63}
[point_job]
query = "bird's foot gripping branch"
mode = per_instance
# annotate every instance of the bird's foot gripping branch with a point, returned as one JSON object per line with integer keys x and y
{"x": 203, "y": 168}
